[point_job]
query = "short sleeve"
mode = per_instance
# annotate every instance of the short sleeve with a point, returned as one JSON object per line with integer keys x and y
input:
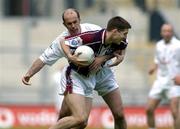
{"x": 52, "y": 53}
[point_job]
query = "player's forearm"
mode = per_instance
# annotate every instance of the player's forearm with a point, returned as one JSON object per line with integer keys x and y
{"x": 36, "y": 67}
{"x": 121, "y": 53}
{"x": 66, "y": 49}
{"x": 107, "y": 57}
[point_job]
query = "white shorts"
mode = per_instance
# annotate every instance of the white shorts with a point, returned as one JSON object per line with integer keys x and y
{"x": 175, "y": 91}
{"x": 103, "y": 81}
{"x": 159, "y": 91}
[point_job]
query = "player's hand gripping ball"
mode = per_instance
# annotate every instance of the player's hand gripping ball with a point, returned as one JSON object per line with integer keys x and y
{"x": 85, "y": 54}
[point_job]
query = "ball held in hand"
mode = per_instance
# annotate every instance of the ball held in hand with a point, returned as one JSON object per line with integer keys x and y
{"x": 85, "y": 54}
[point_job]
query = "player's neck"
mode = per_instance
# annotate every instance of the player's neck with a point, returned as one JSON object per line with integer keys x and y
{"x": 108, "y": 38}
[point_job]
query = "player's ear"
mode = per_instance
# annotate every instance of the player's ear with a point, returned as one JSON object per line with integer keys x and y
{"x": 64, "y": 24}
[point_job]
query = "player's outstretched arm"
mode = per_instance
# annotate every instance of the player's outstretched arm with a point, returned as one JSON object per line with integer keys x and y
{"x": 66, "y": 49}
{"x": 36, "y": 67}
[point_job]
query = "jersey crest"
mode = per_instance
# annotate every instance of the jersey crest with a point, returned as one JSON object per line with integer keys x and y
{"x": 74, "y": 42}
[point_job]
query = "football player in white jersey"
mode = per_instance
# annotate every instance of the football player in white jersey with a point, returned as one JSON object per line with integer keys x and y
{"x": 166, "y": 64}
{"x": 71, "y": 20}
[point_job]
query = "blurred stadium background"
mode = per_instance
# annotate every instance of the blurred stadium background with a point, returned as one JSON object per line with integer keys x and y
{"x": 27, "y": 27}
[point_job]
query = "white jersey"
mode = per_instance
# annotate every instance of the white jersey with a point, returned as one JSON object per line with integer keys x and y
{"x": 166, "y": 58}
{"x": 55, "y": 52}
{"x": 174, "y": 68}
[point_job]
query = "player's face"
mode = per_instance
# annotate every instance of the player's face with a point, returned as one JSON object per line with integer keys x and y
{"x": 72, "y": 23}
{"x": 166, "y": 32}
{"x": 119, "y": 35}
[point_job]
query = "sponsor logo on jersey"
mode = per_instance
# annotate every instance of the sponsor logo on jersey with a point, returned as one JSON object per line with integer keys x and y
{"x": 75, "y": 42}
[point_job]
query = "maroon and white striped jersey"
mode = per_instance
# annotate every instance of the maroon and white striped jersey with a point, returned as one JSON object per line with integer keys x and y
{"x": 95, "y": 40}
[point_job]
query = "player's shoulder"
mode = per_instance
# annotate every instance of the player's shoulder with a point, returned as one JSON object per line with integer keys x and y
{"x": 64, "y": 34}
{"x": 60, "y": 37}
{"x": 176, "y": 41}
{"x": 89, "y": 27}
{"x": 160, "y": 43}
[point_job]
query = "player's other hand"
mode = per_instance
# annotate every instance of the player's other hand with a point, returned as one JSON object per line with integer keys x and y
{"x": 97, "y": 63}
{"x": 74, "y": 59}
{"x": 151, "y": 71}
{"x": 25, "y": 80}
{"x": 177, "y": 80}
{"x": 118, "y": 60}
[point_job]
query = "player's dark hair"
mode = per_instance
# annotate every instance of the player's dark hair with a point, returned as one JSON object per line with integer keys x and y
{"x": 119, "y": 23}
{"x": 75, "y": 10}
